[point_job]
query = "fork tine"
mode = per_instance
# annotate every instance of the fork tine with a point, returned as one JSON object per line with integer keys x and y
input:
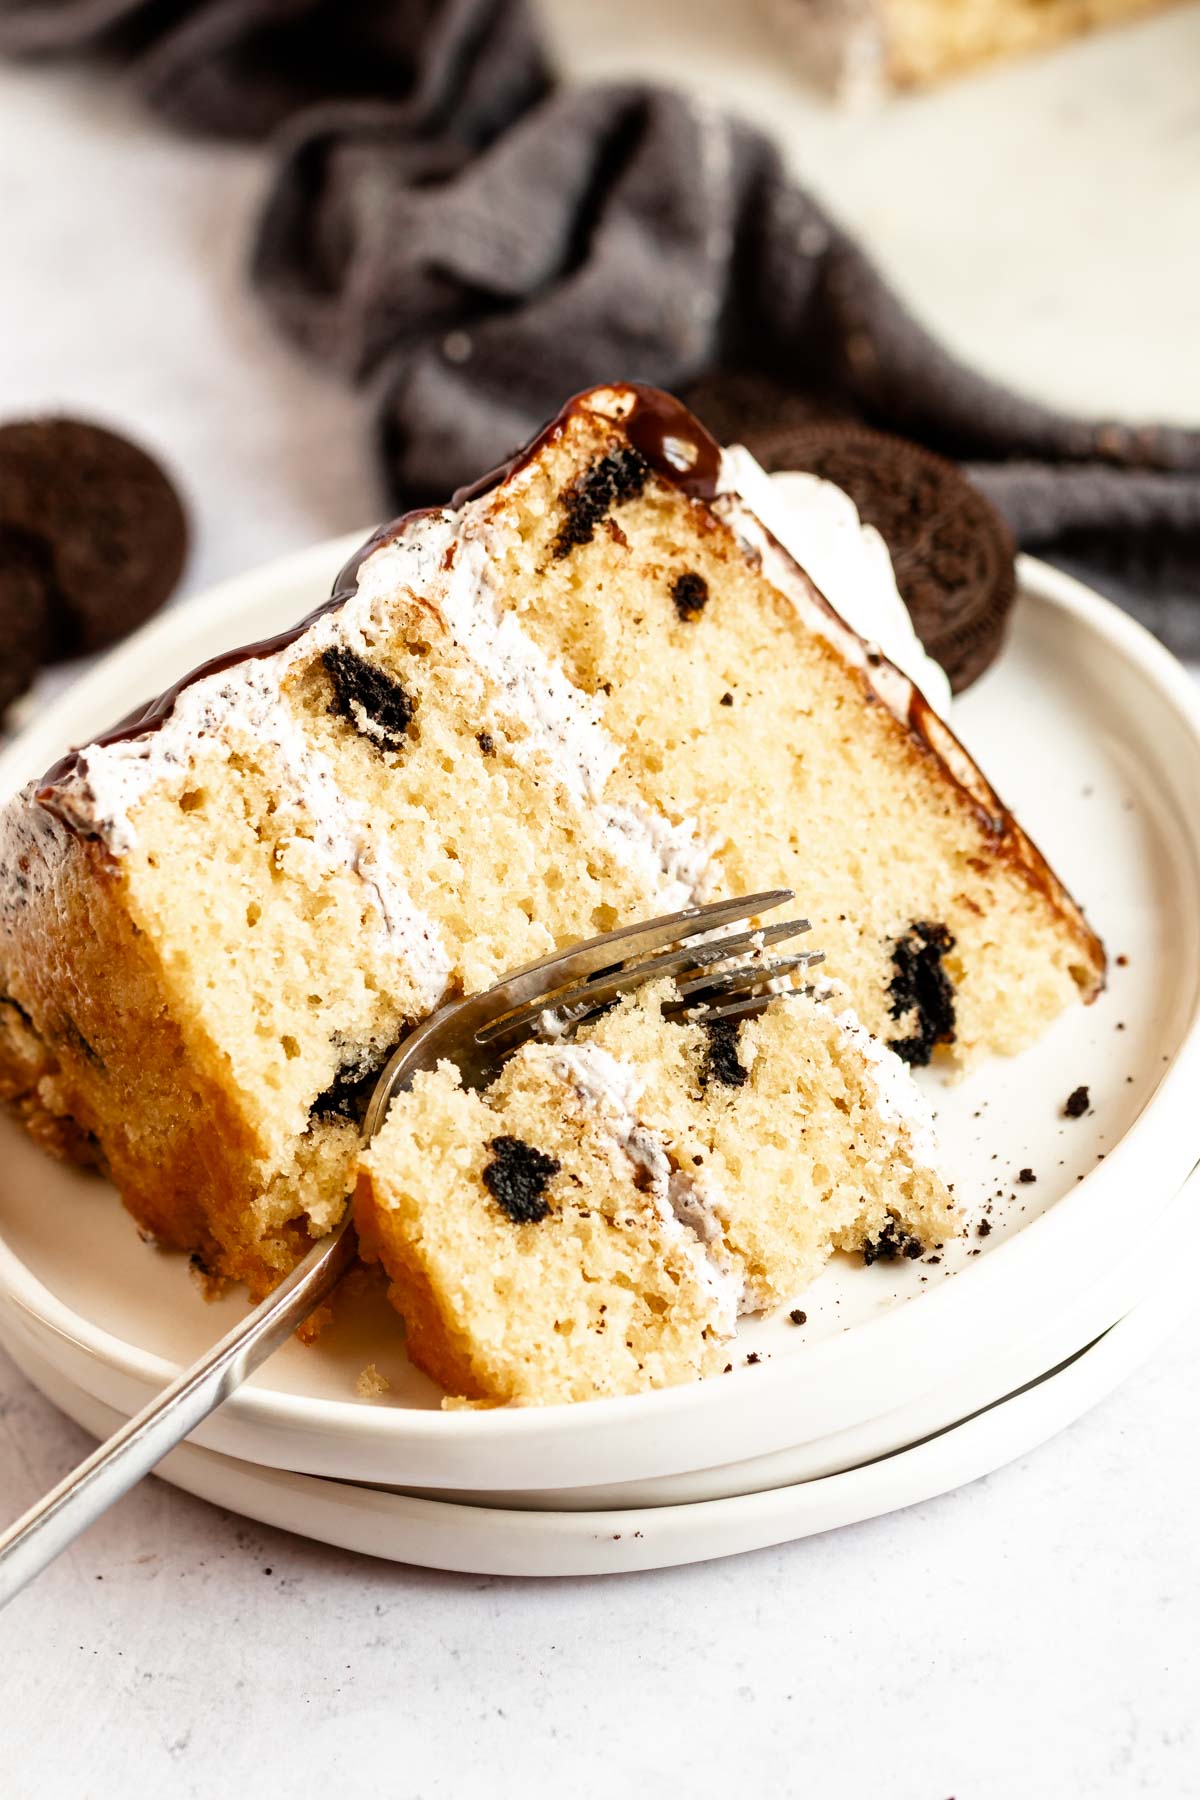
{"x": 581, "y": 999}
{"x": 752, "y": 942}
{"x": 457, "y": 1029}
{"x": 580, "y": 960}
{"x": 705, "y": 1015}
{"x": 749, "y": 975}
{"x": 612, "y": 983}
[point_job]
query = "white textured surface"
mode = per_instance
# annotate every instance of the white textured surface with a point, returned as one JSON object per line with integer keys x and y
{"x": 1033, "y": 1634}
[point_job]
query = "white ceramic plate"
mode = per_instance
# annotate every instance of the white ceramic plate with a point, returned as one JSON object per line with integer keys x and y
{"x": 484, "y": 1540}
{"x": 1090, "y": 730}
{"x": 976, "y": 1383}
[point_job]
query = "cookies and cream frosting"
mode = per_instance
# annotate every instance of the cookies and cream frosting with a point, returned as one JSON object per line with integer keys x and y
{"x": 805, "y": 533}
{"x": 786, "y": 519}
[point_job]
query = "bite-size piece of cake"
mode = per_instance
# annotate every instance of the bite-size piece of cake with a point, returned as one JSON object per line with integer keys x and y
{"x": 592, "y": 690}
{"x": 597, "y": 1219}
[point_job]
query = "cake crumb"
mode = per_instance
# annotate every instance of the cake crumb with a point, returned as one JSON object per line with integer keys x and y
{"x": 211, "y": 1285}
{"x": 1026, "y": 1176}
{"x": 371, "y": 1383}
{"x": 317, "y": 1321}
{"x": 1076, "y": 1103}
{"x": 797, "y": 1317}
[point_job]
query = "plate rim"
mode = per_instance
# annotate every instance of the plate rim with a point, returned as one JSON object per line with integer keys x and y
{"x": 584, "y": 1543}
{"x": 1147, "y": 1144}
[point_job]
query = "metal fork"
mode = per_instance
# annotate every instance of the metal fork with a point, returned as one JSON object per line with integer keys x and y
{"x": 717, "y": 976}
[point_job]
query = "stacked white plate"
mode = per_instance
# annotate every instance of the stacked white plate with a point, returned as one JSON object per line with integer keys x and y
{"x": 904, "y": 1380}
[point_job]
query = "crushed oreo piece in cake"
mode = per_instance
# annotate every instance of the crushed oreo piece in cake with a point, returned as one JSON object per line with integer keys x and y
{"x": 1076, "y": 1104}
{"x": 892, "y": 1243}
{"x": 347, "y": 1095}
{"x": 921, "y": 987}
{"x": 611, "y": 481}
{"x": 690, "y": 594}
{"x": 373, "y": 701}
{"x": 726, "y": 699}
{"x": 516, "y": 1179}
{"x": 721, "y": 1061}
{"x": 486, "y": 742}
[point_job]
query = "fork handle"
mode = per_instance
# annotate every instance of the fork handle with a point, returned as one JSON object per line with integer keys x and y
{"x": 131, "y": 1452}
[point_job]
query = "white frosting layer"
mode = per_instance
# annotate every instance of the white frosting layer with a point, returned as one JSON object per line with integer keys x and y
{"x": 610, "y": 1087}
{"x": 452, "y": 558}
{"x": 330, "y": 832}
{"x": 448, "y": 558}
{"x": 898, "y": 1100}
{"x": 847, "y": 561}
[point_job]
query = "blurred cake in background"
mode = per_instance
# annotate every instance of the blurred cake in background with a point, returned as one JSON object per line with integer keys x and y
{"x": 862, "y": 49}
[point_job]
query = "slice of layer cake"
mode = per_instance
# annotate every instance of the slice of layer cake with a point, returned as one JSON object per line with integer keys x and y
{"x": 593, "y": 690}
{"x": 597, "y": 1219}
{"x": 861, "y": 48}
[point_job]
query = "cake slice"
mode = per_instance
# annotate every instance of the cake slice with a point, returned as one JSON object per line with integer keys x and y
{"x": 592, "y": 690}
{"x": 597, "y": 1219}
{"x": 859, "y": 49}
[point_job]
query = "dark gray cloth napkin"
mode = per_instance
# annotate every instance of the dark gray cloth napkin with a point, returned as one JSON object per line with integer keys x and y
{"x": 630, "y": 232}
{"x": 474, "y": 247}
{"x": 239, "y": 68}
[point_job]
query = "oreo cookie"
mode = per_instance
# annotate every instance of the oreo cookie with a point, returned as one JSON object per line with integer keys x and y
{"x": 953, "y": 554}
{"x": 741, "y": 407}
{"x": 25, "y": 604}
{"x": 93, "y": 537}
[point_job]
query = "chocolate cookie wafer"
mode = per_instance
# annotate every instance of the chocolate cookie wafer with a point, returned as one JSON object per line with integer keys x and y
{"x": 952, "y": 552}
{"x": 26, "y": 591}
{"x": 742, "y": 407}
{"x": 109, "y": 525}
